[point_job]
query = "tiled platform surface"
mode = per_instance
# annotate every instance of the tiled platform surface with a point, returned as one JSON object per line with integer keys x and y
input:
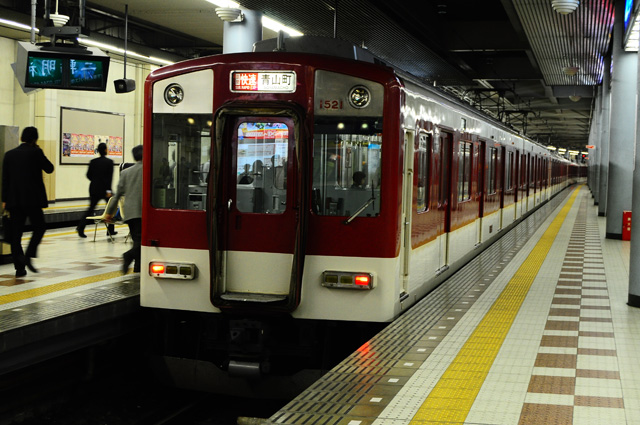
{"x": 524, "y": 334}
{"x": 79, "y": 287}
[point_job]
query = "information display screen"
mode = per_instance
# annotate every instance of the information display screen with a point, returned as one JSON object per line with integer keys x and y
{"x": 85, "y": 74}
{"x": 44, "y": 72}
{"x": 50, "y": 70}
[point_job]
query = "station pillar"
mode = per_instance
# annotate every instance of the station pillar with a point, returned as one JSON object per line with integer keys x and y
{"x": 594, "y": 153}
{"x": 634, "y": 248}
{"x": 240, "y": 36}
{"x": 603, "y": 140}
{"x": 622, "y": 128}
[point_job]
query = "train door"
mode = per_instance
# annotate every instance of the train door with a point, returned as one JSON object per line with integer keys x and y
{"x": 407, "y": 206}
{"x": 258, "y": 211}
{"x": 443, "y": 150}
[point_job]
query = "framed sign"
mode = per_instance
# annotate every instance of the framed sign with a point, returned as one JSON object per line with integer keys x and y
{"x": 81, "y": 131}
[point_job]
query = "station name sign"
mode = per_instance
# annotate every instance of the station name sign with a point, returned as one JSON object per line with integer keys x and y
{"x": 263, "y": 81}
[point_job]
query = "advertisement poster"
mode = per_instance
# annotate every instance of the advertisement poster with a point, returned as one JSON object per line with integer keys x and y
{"x": 86, "y": 145}
{"x": 82, "y": 131}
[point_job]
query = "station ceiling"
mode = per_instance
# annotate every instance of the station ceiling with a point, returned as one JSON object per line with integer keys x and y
{"x": 507, "y": 57}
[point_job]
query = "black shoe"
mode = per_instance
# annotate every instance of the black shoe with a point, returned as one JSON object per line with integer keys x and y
{"x": 21, "y": 273}
{"x": 126, "y": 262}
{"x": 27, "y": 262}
{"x": 81, "y": 233}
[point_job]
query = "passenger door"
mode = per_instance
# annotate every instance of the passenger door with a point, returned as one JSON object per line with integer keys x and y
{"x": 407, "y": 205}
{"x": 258, "y": 220}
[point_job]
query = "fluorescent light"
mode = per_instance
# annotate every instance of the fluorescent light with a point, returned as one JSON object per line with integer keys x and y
{"x": 130, "y": 53}
{"x": 632, "y": 42}
{"x": 277, "y": 26}
{"x": 266, "y": 22}
{"x": 551, "y": 148}
{"x": 225, "y": 3}
{"x": 16, "y": 25}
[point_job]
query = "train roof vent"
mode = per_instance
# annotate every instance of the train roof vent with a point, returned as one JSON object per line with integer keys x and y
{"x": 317, "y": 45}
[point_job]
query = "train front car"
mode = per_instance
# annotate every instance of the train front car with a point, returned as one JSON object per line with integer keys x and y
{"x": 271, "y": 207}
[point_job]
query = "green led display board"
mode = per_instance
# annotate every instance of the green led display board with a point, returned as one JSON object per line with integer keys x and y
{"x": 44, "y": 72}
{"x": 73, "y": 70}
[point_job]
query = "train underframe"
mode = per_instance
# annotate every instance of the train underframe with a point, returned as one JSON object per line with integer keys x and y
{"x": 230, "y": 347}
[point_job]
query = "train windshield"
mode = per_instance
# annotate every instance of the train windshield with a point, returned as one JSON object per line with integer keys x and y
{"x": 261, "y": 167}
{"x": 347, "y": 155}
{"x": 181, "y": 160}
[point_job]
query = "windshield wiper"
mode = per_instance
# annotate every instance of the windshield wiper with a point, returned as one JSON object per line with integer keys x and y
{"x": 359, "y": 211}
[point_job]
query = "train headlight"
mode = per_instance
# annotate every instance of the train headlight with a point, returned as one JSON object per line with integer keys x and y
{"x": 168, "y": 270}
{"x": 173, "y": 94}
{"x": 347, "y": 280}
{"x": 359, "y": 97}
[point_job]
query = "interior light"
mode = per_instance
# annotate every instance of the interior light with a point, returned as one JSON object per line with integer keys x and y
{"x": 341, "y": 126}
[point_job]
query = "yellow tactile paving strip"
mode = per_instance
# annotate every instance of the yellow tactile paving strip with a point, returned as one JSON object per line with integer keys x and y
{"x": 451, "y": 399}
{"x": 48, "y": 289}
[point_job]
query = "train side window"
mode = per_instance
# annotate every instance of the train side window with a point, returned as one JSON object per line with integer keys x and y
{"x": 465, "y": 155}
{"x": 347, "y": 159}
{"x": 491, "y": 183}
{"x": 509, "y": 174}
{"x": 422, "y": 162}
{"x": 180, "y": 160}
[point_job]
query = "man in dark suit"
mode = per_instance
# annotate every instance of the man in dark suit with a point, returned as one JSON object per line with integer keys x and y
{"x": 24, "y": 195}
{"x": 100, "y": 173}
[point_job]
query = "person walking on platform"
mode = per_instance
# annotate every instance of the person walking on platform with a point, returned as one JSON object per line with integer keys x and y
{"x": 24, "y": 195}
{"x": 100, "y": 173}
{"x": 130, "y": 186}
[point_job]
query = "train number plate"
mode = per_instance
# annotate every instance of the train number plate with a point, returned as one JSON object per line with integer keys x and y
{"x": 263, "y": 81}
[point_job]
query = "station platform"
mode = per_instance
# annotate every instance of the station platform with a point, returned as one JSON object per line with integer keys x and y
{"x": 78, "y": 297}
{"x": 535, "y": 330}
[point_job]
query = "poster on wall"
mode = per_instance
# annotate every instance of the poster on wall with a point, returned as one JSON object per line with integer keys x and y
{"x": 83, "y": 130}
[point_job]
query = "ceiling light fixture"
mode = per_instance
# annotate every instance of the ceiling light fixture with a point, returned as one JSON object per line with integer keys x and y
{"x": 229, "y": 14}
{"x": 564, "y": 7}
{"x": 58, "y": 20}
{"x": 571, "y": 70}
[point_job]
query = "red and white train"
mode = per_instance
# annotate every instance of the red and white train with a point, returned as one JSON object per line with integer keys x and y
{"x": 290, "y": 194}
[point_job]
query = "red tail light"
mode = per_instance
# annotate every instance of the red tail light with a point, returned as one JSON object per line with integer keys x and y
{"x": 347, "y": 280}
{"x": 362, "y": 280}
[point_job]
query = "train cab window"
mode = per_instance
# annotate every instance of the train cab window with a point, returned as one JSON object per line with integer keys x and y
{"x": 422, "y": 158}
{"x": 180, "y": 160}
{"x": 347, "y": 158}
{"x": 465, "y": 155}
{"x": 261, "y": 167}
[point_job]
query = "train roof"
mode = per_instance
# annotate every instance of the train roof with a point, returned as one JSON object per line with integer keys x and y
{"x": 335, "y": 47}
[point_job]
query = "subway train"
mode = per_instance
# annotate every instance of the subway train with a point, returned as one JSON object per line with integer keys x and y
{"x": 302, "y": 196}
